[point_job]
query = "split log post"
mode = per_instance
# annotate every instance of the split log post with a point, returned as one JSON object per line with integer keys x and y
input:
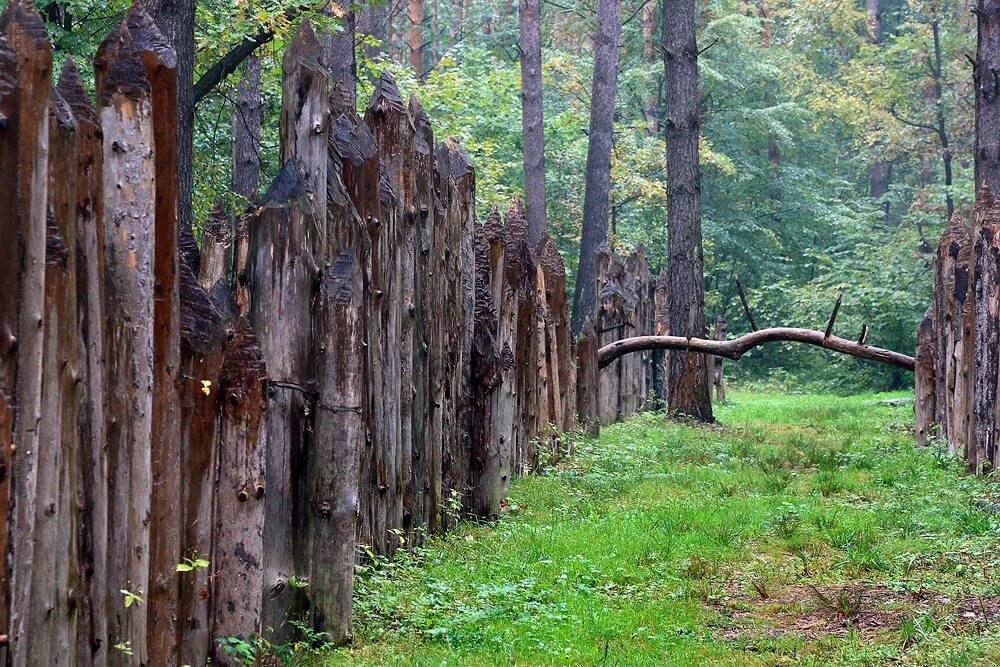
{"x": 160, "y": 63}
{"x": 587, "y": 379}
{"x": 52, "y": 618}
{"x": 304, "y": 139}
{"x": 24, "y": 332}
{"x": 717, "y": 370}
{"x": 282, "y": 272}
{"x": 357, "y": 153}
{"x": 419, "y": 209}
{"x": 982, "y": 448}
{"x": 485, "y": 472}
{"x": 10, "y": 292}
{"x": 562, "y": 400}
{"x": 661, "y": 327}
{"x": 953, "y": 323}
{"x": 238, "y": 558}
{"x": 91, "y": 464}
{"x": 201, "y": 366}
{"x": 925, "y": 378}
{"x": 125, "y": 109}
{"x": 386, "y": 117}
{"x": 333, "y": 470}
{"x": 456, "y": 186}
{"x": 610, "y": 327}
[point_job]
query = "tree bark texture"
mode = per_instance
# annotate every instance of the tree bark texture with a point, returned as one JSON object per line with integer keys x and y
{"x": 415, "y": 36}
{"x": 688, "y": 377}
{"x": 599, "y": 147}
{"x": 532, "y": 132}
{"x": 986, "y": 76}
{"x": 246, "y": 119}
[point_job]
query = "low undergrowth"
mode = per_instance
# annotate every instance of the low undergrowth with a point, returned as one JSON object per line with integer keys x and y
{"x": 804, "y": 530}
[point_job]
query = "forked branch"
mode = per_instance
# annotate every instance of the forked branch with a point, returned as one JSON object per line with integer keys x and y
{"x": 737, "y": 347}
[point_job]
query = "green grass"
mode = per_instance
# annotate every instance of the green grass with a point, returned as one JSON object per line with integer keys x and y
{"x": 803, "y": 530}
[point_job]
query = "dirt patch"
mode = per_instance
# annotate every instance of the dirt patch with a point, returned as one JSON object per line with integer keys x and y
{"x": 815, "y": 612}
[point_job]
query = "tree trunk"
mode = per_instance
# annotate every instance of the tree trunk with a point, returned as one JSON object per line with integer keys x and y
{"x": 415, "y": 36}
{"x": 987, "y": 96}
{"x": 880, "y": 172}
{"x": 339, "y": 51}
{"x": 246, "y": 120}
{"x": 175, "y": 19}
{"x": 649, "y": 52}
{"x": 717, "y": 370}
{"x": 598, "y": 180}
{"x": 688, "y": 377}
{"x": 531, "y": 118}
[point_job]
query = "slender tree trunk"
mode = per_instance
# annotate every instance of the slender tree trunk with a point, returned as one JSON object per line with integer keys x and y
{"x": 946, "y": 156}
{"x": 175, "y": 19}
{"x": 651, "y": 103}
{"x": 688, "y": 376}
{"x": 880, "y": 171}
{"x": 531, "y": 118}
{"x": 415, "y": 36}
{"x": 246, "y": 118}
{"x": 988, "y": 96}
{"x": 340, "y": 56}
{"x": 602, "y": 122}
{"x": 371, "y": 21}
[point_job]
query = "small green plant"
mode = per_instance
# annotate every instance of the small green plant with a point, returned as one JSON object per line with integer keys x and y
{"x": 191, "y": 564}
{"x": 124, "y": 647}
{"x": 829, "y": 483}
{"x": 132, "y": 597}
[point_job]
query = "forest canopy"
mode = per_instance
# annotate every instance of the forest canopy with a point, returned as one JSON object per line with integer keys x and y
{"x": 836, "y": 137}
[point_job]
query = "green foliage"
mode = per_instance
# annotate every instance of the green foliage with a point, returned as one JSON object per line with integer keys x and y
{"x": 617, "y": 553}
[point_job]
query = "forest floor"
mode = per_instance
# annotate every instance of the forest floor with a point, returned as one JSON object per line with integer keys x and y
{"x": 804, "y": 529}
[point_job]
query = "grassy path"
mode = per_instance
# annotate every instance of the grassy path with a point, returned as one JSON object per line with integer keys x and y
{"x": 807, "y": 530}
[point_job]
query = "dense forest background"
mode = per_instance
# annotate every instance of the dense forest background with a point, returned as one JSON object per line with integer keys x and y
{"x": 836, "y": 138}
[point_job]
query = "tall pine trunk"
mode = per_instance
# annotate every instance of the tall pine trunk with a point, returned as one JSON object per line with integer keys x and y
{"x": 602, "y": 122}
{"x": 531, "y": 118}
{"x": 415, "y": 36}
{"x": 688, "y": 372}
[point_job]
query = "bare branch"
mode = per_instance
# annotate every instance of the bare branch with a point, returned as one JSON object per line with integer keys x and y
{"x": 737, "y": 347}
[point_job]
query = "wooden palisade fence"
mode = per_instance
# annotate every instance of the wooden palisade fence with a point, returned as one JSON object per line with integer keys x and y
{"x": 355, "y": 361}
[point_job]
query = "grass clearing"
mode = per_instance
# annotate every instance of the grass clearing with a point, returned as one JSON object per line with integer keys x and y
{"x": 804, "y": 530}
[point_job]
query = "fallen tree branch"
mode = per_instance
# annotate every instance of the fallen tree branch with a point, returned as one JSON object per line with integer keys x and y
{"x": 737, "y": 347}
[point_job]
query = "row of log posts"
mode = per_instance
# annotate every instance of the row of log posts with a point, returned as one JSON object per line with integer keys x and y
{"x": 354, "y": 361}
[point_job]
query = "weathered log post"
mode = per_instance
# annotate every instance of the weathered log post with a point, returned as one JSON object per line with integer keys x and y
{"x": 238, "y": 557}
{"x": 304, "y": 138}
{"x": 661, "y": 327}
{"x": 201, "y": 366}
{"x": 587, "y": 379}
{"x": 389, "y": 123}
{"x": 457, "y": 188}
{"x": 986, "y": 238}
{"x": 488, "y": 402}
{"x": 160, "y": 63}
{"x": 92, "y": 499}
{"x": 333, "y": 470}
{"x": 952, "y": 318}
{"x": 719, "y": 333}
{"x": 22, "y": 301}
{"x": 520, "y": 279}
{"x": 52, "y": 618}
{"x": 125, "y": 108}
{"x": 10, "y": 291}
{"x": 559, "y": 336}
{"x": 356, "y": 153}
{"x": 609, "y": 324}
{"x": 282, "y": 272}
{"x": 925, "y": 377}
{"x": 426, "y": 290}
